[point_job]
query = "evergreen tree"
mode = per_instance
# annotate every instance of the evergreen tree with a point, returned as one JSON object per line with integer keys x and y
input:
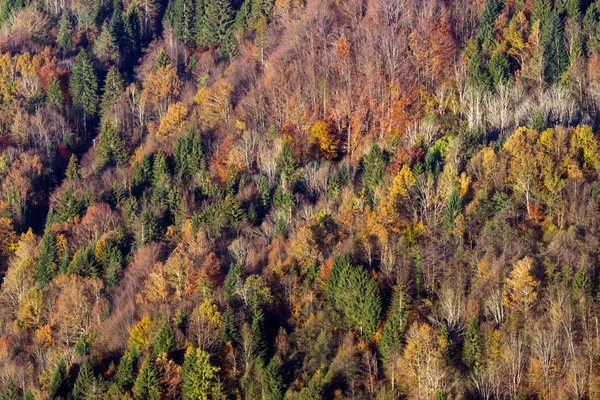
{"x": 149, "y": 230}
{"x": 110, "y": 149}
{"x": 163, "y": 341}
{"x": 373, "y": 166}
{"x": 10, "y": 391}
{"x": 471, "y": 352}
{"x": 55, "y": 96}
{"x": 28, "y": 396}
{"x": 264, "y": 193}
{"x": 391, "y": 336}
{"x": 126, "y": 372}
{"x": 117, "y": 28}
{"x": 85, "y": 381}
{"x": 229, "y": 332}
{"x": 258, "y": 334}
{"x": 58, "y": 385}
{"x": 83, "y": 84}
{"x": 47, "y": 254}
{"x": 556, "y": 58}
{"x": 581, "y": 286}
{"x": 541, "y": 11}
{"x": 219, "y": 18}
{"x": 63, "y": 37}
{"x": 499, "y": 69}
{"x": 146, "y": 384}
{"x": 83, "y": 346}
{"x": 184, "y": 21}
{"x": 199, "y": 379}
{"x": 286, "y": 164}
{"x": 476, "y": 73}
{"x": 452, "y": 211}
{"x": 272, "y": 385}
{"x": 69, "y": 207}
{"x": 73, "y": 172}
{"x": 114, "y": 86}
{"x": 573, "y": 8}
{"x": 487, "y": 23}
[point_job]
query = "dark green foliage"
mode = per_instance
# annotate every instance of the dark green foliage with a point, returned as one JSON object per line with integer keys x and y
{"x": 47, "y": 254}
{"x": 286, "y": 164}
{"x": 69, "y": 207}
{"x": 217, "y": 23}
{"x": 59, "y": 385}
{"x": 582, "y": 284}
{"x": 85, "y": 382}
{"x": 373, "y": 166}
{"x": 556, "y": 58}
{"x": 264, "y": 193}
{"x": 188, "y": 154}
{"x": 73, "y": 173}
{"x": 55, "y": 96}
{"x": 83, "y": 345}
{"x": 271, "y": 381}
{"x": 83, "y": 85}
{"x": 452, "y": 211}
{"x": 184, "y": 23}
{"x": 355, "y": 294}
{"x": 232, "y": 280}
{"x": 477, "y": 74}
{"x": 114, "y": 86}
{"x": 229, "y": 330}
{"x": 485, "y": 34}
{"x": 541, "y": 10}
{"x": 538, "y": 122}
{"x": 283, "y": 199}
{"x": 163, "y": 341}
{"x": 149, "y": 229}
{"x": 499, "y": 68}
{"x": 126, "y": 371}
{"x": 65, "y": 28}
{"x": 117, "y": 28}
{"x": 146, "y": 385}
{"x": 83, "y": 263}
{"x": 160, "y": 171}
{"x": 393, "y": 330}
{"x": 110, "y": 150}
{"x": 573, "y": 8}
{"x": 471, "y": 351}
{"x": 10, "y": 391}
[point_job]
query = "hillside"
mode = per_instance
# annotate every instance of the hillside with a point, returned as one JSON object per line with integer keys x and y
{"x": 299, "y": 199}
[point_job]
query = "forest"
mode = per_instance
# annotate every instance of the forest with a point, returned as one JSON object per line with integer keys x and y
{"x": 299, "y": 199}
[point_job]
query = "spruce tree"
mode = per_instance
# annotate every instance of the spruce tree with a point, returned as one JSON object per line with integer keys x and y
{"x": 219, "y": 18}
{"x": 471, "y": 352}
{"x": 541, "y": 11}
{"x": 199, "y": 378}
{"x": 58, "y": 385}
{"x": 110, "y": 150}
{"x": 73, "y": 173}
{"x": 286, "y": 164}
{"x": 10, "y": 391}
{"x": 146, "y": 384}
{"x": 63, "y": 37}
{"x": 163, "y": 341}
{"x": 573, "y": 8}
{"x": 391, "y": 336}
{"x": 55, "y": 96}
{"x": 373, "y": 166}
{"x": 499, "y": 69}
{"x": 264, "y": 193}
{"x": 85, "y": 381}
{"x": 487, "y": 23}
{"x": 114, "y": 86}
{"x": 47, "y": 254}
{"x": 117, "y": 28}
{"x": 272, "y": 385}
{"x": 452, "y": 211}
{"x": 581, "y": 287}
{"x": 83, "y": 85}
{"x": 126, "y": 372}
{"x": 556, "y": 58}
{"x": 184, "y": 23}
{"x": 477, "y": 74}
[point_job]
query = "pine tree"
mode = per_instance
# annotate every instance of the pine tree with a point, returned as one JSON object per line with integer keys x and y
{"x": 286, "y": 164}
{"x": 58, "y": 385}
{"x": 110, "y": 149}
{"x": 146, "y": 384}
{"x": 471, "y": 353}
{"x": 487, "y": 24}
{"x": 10, "y": 391}
{"x": 163, "y": 341}
{"x": 581, "y": 286}
{"x": 219, "y": 18}
{"x": 258, "y": 334}
{"x": 199, "y": 378}
{"x": 452, "y": 211}
{"x": 573, "y": 8}
{"x": 200, "y": 25}
{"x": 477, "y": 74}
{"x": 229, "y": 332}
{"x": 69, "y": 207}
{"x": 556, "y": 58}
{"x": 541, "y": 11}
{"x": 105, "y": 48}
{"x": 63, "y": 37}
{"x": 184, "y": 22}
{"x": 73, "y": 172}
{"x": 83, "y": 84}
{"x": 114, "y": 86}
{"x": 85, "y": 381}
{"x": 264, "y": 193}
{"x": 149, "y": 228}
{"x": 391, "y": 336}
{"x": 126, "y": 371}
{"x": 188, "y": 154}
{"x": 499, "y": 68}
{"x": 47, "y": 255}
{"x": 373, "y": 166}
{"x": 54, "y": 94}
{"x": 117, "y": 28}
{"x": 272, "y": 385}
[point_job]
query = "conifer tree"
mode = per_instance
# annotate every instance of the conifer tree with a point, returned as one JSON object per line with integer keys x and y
{"x": 471, "y": 352}
{"x": 556, "y": 58}
{"x": 163, "y": 341}
{"x": 286, "y": 164}
{"x": 146, "y": 385}
{"x": 184, "y": 21}
{"x": 219, "y": 18}
{"x": 73, "y": 172}
{"x": 110, "y": 149}
{"x": 58, "y": 385}
{"x": 581, "y": 286}
{"x": 83, "y": 85}
{"x": 10, "y": 391}
{"x": 487, "y": 23}
{"x": 272, "y": 385}
{"x": 126, "y": 371}
{"x": 573, "y": 8}
{"x": 373, "y": 166}
{"x": 453, "y": 210}
{"x": 114, "y": 86}
{"x": 47, "y": 254}
{"x": 117, "y": 28}
{"x": 55, "y": 96}
{"x": 499, "y": 69}
{"x": 391, "y": 336}
{"x": 63, "y": 37}
{"x": 541, "y": 10}
{"x": 85, "y": 382}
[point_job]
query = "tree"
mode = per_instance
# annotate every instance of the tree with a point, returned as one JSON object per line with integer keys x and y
{"x": 163, "y": 341}
{"x": 286, "y": 164}
{"x": 146, "y": 385}
{"x": 83, "y": 85}
{"x": 487, "y": 23}
{"x": 85, "y": 382}
{"x": 556, "y": 58}
{"x": 114, "y": 86}
{"x": 58, "y": 385}
{"x": 373, "y": 165}
{"x": 218, "y": 20}
{"x": 47, "y": 254}
{"x": 520, "y": 291}
{"x": 471, "y": 352}
{"x": 199, "y": 377}
{"x": 63, "y": 37}
{"x": 55, "y": 95}
{"x": 110, "y": 150}
{"x": 10, "y": 391}
{"x": 126, "y": 369}
{"x": 272, "y": 385}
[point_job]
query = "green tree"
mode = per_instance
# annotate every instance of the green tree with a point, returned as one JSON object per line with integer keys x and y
{"x": 272, "y": 383}
{"x": 373, "y": 166}
{"x": 219, "y": 17}
{"x": 452, "y": 211}
{"x": 63, "y": 37}
{"x": 581, "y": 287}
{"x": 286, "y": 164}
{"x": 471, "y": 351}
{"x": 54, "y": 94}
{"x": 393, "y": 329}
{"x": 477, "y": 74}
{"x": 188, "y": 154}
{"x": 499, "y": 69}
{"x": 164, "y": 340}
{"x": 58, "y": 384}
{"x": 146, "y": 385}
{"x": 85, "y": 382}
{"x": 185, "y": 19}
{"x": 149, "y": 230}
{"x": 47, "y": 254}
{"x": 10, "y": 391}
{"x": 114, "y": 86}
{"x": 117, "y": 28}
{"x": 541, "y": 10}
{"x": 110, "y": 149}
{"x": 487, "y": 23}
{"x": 573, "y": 8}
{"x": 83, "y": 85}
{"x": 126, "y": 370}
{"x": 199, "y": 380}
{"x": 556, "y": 58}
{"x": 73, "y": 173}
